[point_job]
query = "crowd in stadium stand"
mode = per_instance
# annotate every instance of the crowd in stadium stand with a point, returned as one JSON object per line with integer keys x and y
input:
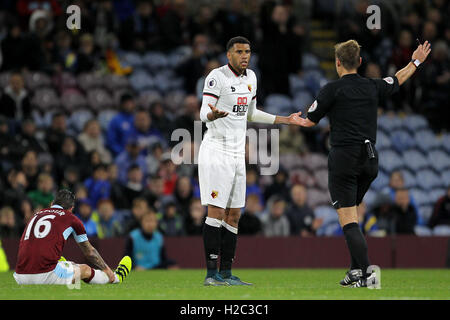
{"x": 93, "y": 110}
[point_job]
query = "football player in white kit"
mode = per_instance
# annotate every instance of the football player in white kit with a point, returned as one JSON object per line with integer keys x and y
{"x": 229, "y": 101}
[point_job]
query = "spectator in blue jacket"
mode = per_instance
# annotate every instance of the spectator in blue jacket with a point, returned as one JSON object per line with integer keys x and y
{"x": 130, "y": 156}
{"x": 98, "y": 186}
{"x": 147, "y": 135}
{"x": 121, "y": 125}
{"x": 84, "y": 212}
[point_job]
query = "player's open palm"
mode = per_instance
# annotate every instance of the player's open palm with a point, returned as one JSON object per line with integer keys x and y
{"x": 422, "y": 52}
{"x": 216, "y": 112}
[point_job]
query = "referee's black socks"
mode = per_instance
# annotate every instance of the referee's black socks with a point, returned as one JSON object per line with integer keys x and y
{"x": 357, "y": 246}
{"x": 227, "y": 249}
{"x": 212, "y": 241}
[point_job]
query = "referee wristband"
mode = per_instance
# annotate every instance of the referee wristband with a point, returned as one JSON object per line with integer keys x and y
{"x": 416, "y": 62}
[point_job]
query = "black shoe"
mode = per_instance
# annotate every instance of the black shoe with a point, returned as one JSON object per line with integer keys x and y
{"x": 370, "y": 281}
{"x": 351, "y": 277}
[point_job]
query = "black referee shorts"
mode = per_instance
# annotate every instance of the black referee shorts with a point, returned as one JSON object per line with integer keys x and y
{"x": 350, "y": 173}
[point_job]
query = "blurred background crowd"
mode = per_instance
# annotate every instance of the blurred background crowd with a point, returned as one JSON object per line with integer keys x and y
{"x": 93, "y": 110}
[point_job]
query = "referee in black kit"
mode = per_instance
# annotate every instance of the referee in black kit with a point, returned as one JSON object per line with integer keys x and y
{"x": 351, "y": 104}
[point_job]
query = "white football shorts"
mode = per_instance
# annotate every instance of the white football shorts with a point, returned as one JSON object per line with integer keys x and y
{"x": 222, "y": 178}
{"x": 62, "y": 274}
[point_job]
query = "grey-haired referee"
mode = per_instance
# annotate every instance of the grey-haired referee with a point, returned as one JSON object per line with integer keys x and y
{"x": 351, "y": 104}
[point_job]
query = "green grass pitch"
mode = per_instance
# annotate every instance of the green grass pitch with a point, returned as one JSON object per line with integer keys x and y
{"x": 269, "y": 284}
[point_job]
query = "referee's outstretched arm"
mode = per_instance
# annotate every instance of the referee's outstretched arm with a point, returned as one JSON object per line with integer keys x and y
{"x": 418, "y": 57}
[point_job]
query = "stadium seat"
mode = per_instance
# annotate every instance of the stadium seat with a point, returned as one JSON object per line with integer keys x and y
{"x": 436, "y": 193}
{"x": 42, "y": 119}
{"x": 389, "y": 160}
{"x": 422, "y": 231}
{"x": 381, "y": 181}
{"x": 46, "y": 99}
{"x": 439, "y": 160}
{"x": 414, "y": 122}
{"x": 99, "y": 99}
{"x": 414, "y": 160}
{"x": 179, "y": 55}
{"x": 426, "y": 140}
{"x": 388, "y": 123}
{"x": 34, "y": 80}
{"x": 78, "y": 119}
{"x": 446, "y": 142}
{"x": 302, "y": 101}
{"x": 369, "y": 197}
{"x": 409, "y": 178}
{"x": 310, "y": 62}
{"x": 425, "y": 212}
{"x": 114, "y": 82}
{"x": 73, "y": 99}
{"x": 131, "y": 59}
{"x": 321, "y": 177}
{"x": 163, "y": 81}
{"x": 327, "y": 213}
{"x": 402, "y": 140}
{"x": 446, "y": 176}
{"x": 290, "y": 160}
{"x": 278, "y": 103}
{"x": 155, "y": 61}
{"x": 174, "y": 101}
{"x": 383, "y": 141}
{"x": 428, "y": 180}
{"x": 420, "y": 196}
{"x": 141, "y": 80}
{"x": 296, "y": 84}
{"x": 302, "y": 176}
{"x": 147, "y": 97}
{"x": 314, "y": 161}
{"x": 64, "y": 81}
{"x": 90, "y": 80}
{"x": 314, "y": 80}
{"x": 317, "y": 197}
{"x": 104, "y": 117}
{"x": 441, "y": 230}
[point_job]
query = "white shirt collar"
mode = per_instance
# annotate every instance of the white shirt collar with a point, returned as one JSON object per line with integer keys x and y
{"x": 56, "y": 206}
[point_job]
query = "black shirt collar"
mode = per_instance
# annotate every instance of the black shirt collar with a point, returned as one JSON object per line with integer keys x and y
{"x": 235, "y": 72}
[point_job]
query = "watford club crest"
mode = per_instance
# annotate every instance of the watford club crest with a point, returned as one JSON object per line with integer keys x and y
{"x": 249, "y": 86}
{"x": 214, "y": 194}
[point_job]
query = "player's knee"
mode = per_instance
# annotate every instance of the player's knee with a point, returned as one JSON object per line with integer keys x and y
{"x": 85, "y": 271}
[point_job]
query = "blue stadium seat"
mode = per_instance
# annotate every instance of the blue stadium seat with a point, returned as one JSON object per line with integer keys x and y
{"x": 314, "y": 80}
{"x": 328, "y": 230}
{"x": 174, "y": 100}
{"x": 370, "y": 197}
{"x": 422, "y": 231}
{"x": 42, "y": 119}
{"x": 426, "y": 140}
{"x": 179, "y": 55}
{"x": 141, "y": 80}
{"x": 436, "y": 193}
{"x": 296, "y": 84}
{"x": 155, "y": 61}
{"x": 104, "y": 117}
{"x": 381, "y": 181}
{"x": 414, "y": 122}
{"x": 425, "y": 212}
{"x": 321, "y": 177}
{"x": 310, "y": 62}
{"x": 317, "y": 197}
{"x": 414, "y": 160}
{"x": 383, "y": 141}
{"x": 78, "y": 119}
{"x": 131, "y": 59}
{"x": 278, "y": 103}
{"x": 302, "y": 101}
{"x": 327, "y": 213}
{"x": 439, "y": 160}
{"x": 428, "y": 180}
{"x": 389, "y": 123}
{"x": 409, "y": 178}
{"x": 446, "y": 142}
{"x": 420, "y": 196}
{"x": 390, "y": 160}
{"x": 446, "y": 176}
{"x": 402, "y": 140}
{"x": 441, "y": 230}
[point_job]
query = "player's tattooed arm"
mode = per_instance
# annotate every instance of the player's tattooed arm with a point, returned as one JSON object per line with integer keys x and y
{"x": 92, "y": 255}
